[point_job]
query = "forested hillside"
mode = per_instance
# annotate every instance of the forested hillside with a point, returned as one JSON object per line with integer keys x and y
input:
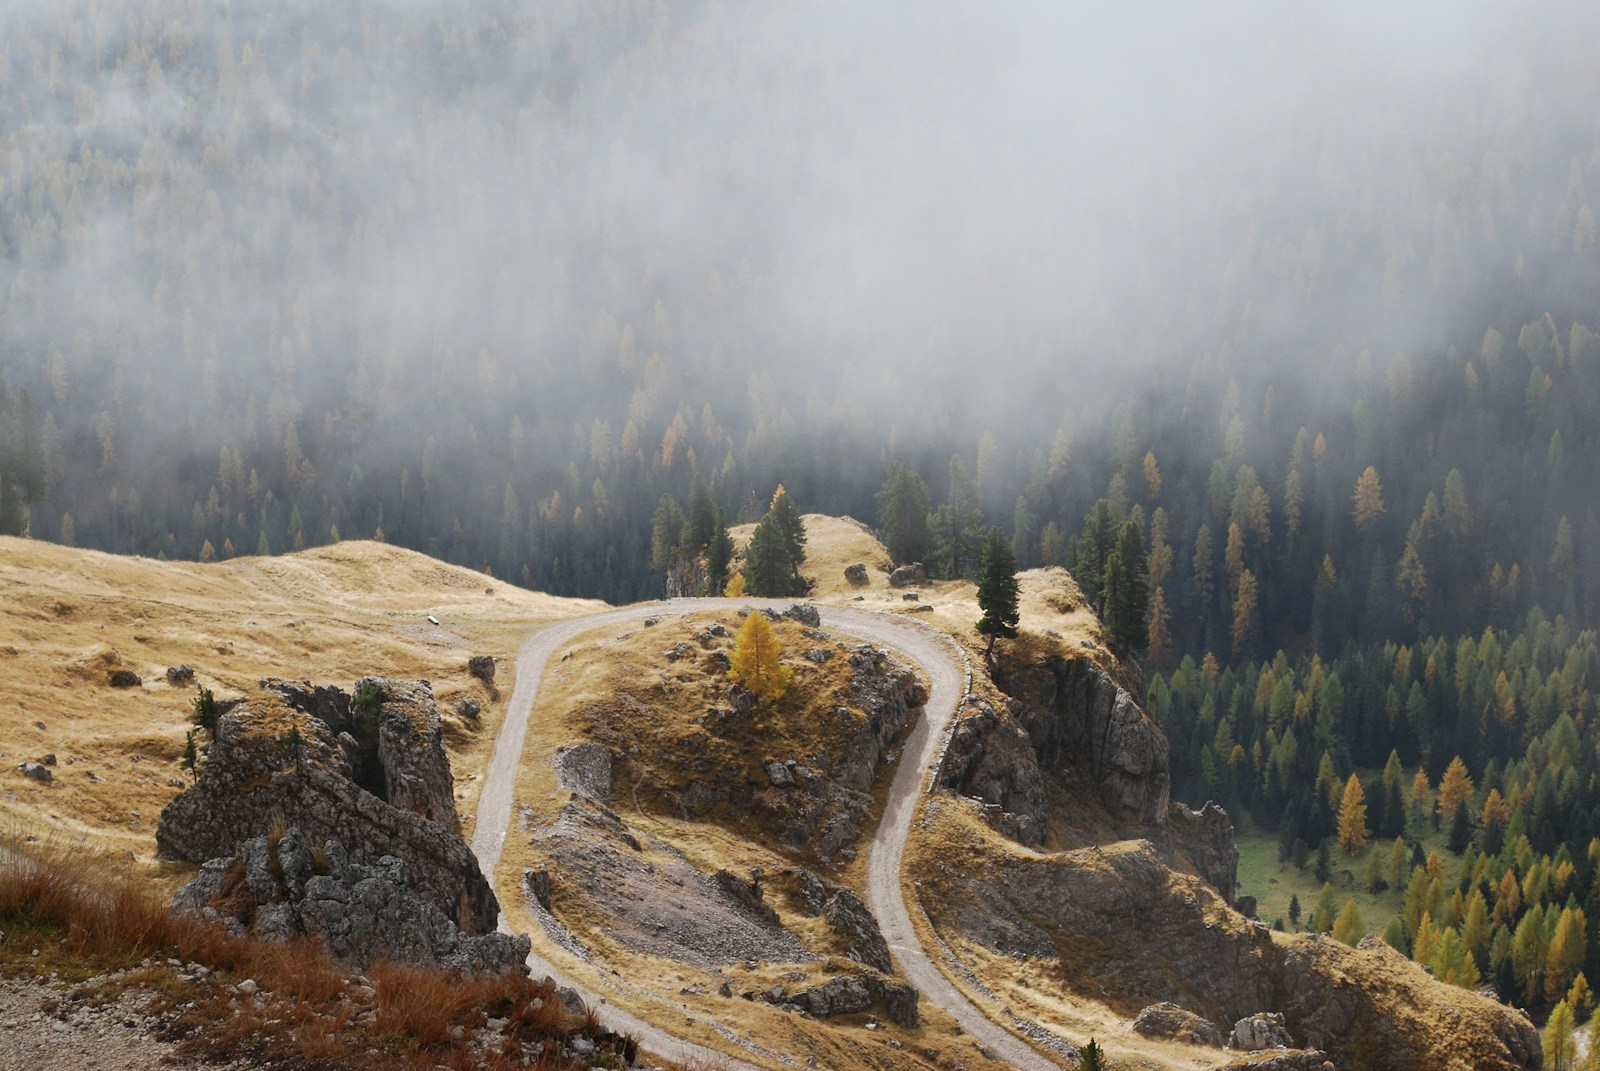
{"x": 266, "y": 284}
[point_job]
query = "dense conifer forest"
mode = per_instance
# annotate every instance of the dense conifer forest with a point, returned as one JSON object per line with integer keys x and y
{"x": 1304, "y": 398}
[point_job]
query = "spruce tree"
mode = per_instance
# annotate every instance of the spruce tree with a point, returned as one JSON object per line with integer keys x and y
{"x": 767, "y": 569}
{"x": 719, "y": 552}
{"x": 903, "y": 515}
{"x": 998, "y": 591}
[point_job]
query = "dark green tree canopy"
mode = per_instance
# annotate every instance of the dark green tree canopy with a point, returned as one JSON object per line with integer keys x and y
{"x": 998, "y": 590}
{"x": 903, "y": 515}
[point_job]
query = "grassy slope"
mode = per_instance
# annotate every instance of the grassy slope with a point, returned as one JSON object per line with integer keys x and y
{"x": 1272, "y": 883}
{"x": 331, "y": 615}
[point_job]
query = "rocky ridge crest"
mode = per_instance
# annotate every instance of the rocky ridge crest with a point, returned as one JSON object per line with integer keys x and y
{"x": 368, "y": 769}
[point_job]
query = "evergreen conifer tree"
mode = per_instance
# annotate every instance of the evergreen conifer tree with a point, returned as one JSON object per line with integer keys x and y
{"x": 998, "y": 593}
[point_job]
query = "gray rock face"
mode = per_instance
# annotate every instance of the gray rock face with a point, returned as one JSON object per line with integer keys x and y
{"x": 1300, "y": 1060}
{"x": 375, "y": 778}
{"x": 849, "y": 994}
{"x": 907, "y": 575}
{"x": 1073, "y": 710}
{"x": 856, "y": 574}
{"x": 360, "y": 913}
{"x": 1264, "y": 1030}
{"x": 648, "y": 898}
{"x": 1168, "y": 1021}
{"x": 584, "y": 768}
{"x": 183, "y": 674}
{"x": 804, "y": 613}
{"x": 1069, "y": 719}
{"x": 416, "y": 773}
{"x": 1205, "y": 837}
{"x": 125, "y": 678}
{"x": 991, "y": 756}
{"x": 36, "y": 771}
{"x": 848, "y": 914}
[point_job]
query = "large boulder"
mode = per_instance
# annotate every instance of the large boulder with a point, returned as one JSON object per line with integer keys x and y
{"x": 369, "y": 771}
{"x": 1172, "y": 1023}
{"x": 278, "y": 887}
{"x": 849, "y": 994}
{"x": 1263, "y": 1030}
{"x": 908, "y": 576}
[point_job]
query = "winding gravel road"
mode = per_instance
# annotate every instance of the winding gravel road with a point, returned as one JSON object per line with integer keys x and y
{"x": 947, "y": 683}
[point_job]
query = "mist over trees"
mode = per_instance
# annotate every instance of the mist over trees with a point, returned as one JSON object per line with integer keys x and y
{"x": 491, "y": 280}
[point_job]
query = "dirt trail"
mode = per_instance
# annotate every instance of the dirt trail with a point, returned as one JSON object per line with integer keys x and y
{"x": 947, "y": 683}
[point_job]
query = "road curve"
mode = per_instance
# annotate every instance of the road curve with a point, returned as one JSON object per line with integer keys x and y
{"x": 931, "y": 650}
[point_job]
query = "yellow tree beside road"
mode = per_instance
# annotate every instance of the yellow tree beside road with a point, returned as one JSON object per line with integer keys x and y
{"x": 757, "y": 660}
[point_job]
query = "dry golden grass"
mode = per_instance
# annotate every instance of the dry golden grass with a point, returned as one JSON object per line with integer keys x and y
{"x": 330, "y": 615}
{"x": 92, "y": 923}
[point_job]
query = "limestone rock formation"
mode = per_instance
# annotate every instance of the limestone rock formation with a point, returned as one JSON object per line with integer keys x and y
{"x": 369, "y": 771}
{"x": 1167, "y": 1020}
{"x": 822, "y": 801}
{"x": 1264, "y": 1030}
{"x": 856, "y": 574}
{"x": 647, "y": 897}
{"x": 1296, "y": 1060}
{"x": 277, "y": 888}
{"x": 1070, "y": 720}
{"x": 848, "y": 994}
{"x": 1162, "y": 936}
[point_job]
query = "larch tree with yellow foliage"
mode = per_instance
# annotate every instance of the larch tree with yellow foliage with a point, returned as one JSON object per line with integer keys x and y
{"x": 1455, "y": 788}
{"x": 757, "y": 659}
{"x": 1353, "y": 829}
{"x": 1368, "y": 498}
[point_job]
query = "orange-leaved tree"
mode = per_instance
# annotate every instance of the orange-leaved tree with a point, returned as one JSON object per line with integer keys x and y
{"x": 757, "y": 660}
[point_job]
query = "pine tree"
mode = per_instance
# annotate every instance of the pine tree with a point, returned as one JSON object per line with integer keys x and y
{"x": 768, "y": 571}
{"x": 959, "y": 522}
{"x": 791, "y": 526}
{"x": 1294, "y": 910}
{"x": 700, "y": 525}
{"x": 719, "y": 552}
{"x": 1125, "y": 595}
{"x": 903, "y": 506}
{"x": 191, "y": 756}
{"x": 206, "y": 711}
{"x": 757, "y": 659}
{"x": 1091, "y": 1057}
{"x": 998, "y": 592}
{"x": 1353, "y": 817}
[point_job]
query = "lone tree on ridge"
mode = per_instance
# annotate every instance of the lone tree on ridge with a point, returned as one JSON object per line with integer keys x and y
{"x": 997, "y": 589}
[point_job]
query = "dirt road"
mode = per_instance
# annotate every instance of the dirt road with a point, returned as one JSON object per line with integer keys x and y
{"x": 947, "y": 683}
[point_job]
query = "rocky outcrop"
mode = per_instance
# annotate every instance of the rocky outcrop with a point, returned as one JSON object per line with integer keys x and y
{"x": 1264, "y": 1030}
{"x": 1074, "y": 712}
{"x": 847, "y": 914}
{"x": 584, "y": 768}
{"x": 1172, "y": 1023}
{"x": 1298, "y": 1060}
{"x": 369, "y": 771}
{"x": 1205, "y": 839}
{"x": 276, "y": 888}
{"x": 856, "y": 574}
{"x": 1138, "y": 933}
{"x": 850, "y": 994}
{"x": 991, "y": 756}
{"x": 1069, "y": 720}
{"x": 821, "y": 803}
{"x": 648, "y": 898}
